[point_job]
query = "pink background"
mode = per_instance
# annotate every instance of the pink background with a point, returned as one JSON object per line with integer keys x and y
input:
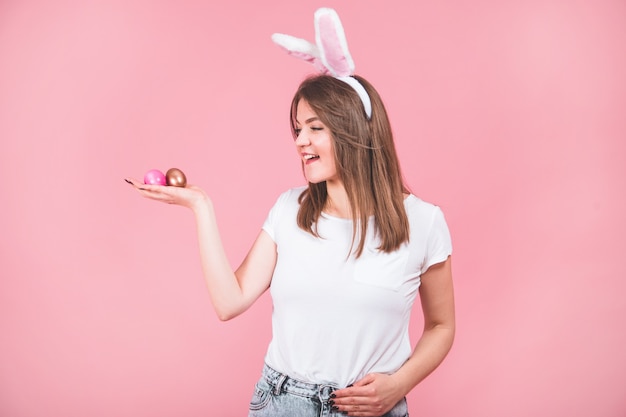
{"x": 508, "y": 114}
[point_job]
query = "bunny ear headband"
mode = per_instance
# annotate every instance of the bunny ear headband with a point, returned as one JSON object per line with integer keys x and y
{"x": 330, "y": 53}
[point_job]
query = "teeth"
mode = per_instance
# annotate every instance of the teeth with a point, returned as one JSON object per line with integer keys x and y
{"x": 310, "y": 156}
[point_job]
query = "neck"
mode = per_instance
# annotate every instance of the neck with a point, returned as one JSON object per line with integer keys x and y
{"x": 337, "y": 204}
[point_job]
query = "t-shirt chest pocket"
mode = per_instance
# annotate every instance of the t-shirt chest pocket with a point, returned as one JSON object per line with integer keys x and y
{"x": 380, "y": 269}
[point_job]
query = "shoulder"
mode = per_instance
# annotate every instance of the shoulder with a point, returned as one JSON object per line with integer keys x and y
{"x": 415, "y": 205}
{"x": 288, "y": 199}
{"x": 291, "y": 195}
{"x": 283, "y": 211}
{"x": 422, "y": 214}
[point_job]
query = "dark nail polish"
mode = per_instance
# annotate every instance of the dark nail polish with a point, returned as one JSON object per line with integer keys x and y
{"x": 334, "y": 408}
{"x": 331, "y": 402}
{"x": 333, "y": 396}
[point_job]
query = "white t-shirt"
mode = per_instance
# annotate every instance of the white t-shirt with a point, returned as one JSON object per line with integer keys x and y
{"x": 337, "y": 318}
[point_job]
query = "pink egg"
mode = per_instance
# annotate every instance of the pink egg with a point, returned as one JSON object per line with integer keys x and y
{"x": 154, "y": 177}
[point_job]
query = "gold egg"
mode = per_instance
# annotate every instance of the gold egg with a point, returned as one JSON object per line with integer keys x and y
{"x": 175, "y": 177}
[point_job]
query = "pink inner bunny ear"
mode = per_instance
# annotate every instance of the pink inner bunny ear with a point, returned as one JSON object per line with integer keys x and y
{"x": 332, "y": 43}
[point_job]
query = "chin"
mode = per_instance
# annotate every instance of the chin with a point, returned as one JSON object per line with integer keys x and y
{"x": 315, "y": 181}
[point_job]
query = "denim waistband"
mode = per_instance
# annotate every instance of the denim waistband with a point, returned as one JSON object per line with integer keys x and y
{"x": 283, "y": 383}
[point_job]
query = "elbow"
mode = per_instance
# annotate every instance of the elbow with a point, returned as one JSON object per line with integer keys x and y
{"x": 223, "y": 308}
{"x": 451, "y": 338}
{"x": 228, "y": 309}
{"x": 450, "y": 333}
{"x": 445, "y": 332}
{"x": 226, "y": 314}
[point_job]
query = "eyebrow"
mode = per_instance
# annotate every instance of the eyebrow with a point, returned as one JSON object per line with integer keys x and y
{"x": 309, "y": 120}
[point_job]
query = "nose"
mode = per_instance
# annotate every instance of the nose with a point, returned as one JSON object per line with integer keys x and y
{"x": 302, "y": 139}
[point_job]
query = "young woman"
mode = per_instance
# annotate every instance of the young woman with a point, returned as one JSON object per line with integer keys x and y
{"x": 344, "y": 258}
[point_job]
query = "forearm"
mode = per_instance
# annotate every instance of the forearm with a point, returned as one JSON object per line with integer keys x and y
{"x": 376, "y": 394}
{"x": 437, "y": 300}
{"x": 429, "y": 352}
{"x": 224, "y": 289}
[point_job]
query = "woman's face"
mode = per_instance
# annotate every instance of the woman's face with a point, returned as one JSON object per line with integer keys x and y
{"x": 314, "y": 144}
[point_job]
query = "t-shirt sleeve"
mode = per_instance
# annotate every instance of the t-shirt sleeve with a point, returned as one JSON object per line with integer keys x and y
{"x": 271, "y": 222}
{"x": 439, "y": 244}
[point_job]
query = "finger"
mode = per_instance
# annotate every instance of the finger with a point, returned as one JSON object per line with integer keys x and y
{"x": 366, "y": 380}
{"x": 359, "y": 410}
{"x": 352, "y": 392}
{"x": 352, "y": 403}
{"x": 132, "y": 181}
{"x": 154, "y": 189}
{"x": 137, "y": 184}
{"x": 356, "y": 389}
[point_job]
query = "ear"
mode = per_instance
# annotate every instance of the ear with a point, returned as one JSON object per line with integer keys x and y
{"x": 300, "y": 48}
{"x": 332, "y": 43}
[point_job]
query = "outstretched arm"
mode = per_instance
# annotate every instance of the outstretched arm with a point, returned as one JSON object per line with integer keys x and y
{"x": 231, "y": 292}
{"x": 376, "y": 394}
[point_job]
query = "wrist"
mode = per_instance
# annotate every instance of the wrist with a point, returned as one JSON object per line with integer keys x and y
{"x": 402, "y": 382}
{"x": 201, "y": 203}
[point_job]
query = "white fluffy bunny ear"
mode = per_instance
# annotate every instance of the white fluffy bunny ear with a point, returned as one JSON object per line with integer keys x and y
{"x": 330, "y": 54}
{"x": 331, "y": 41}
{"x": 300, "y": 48}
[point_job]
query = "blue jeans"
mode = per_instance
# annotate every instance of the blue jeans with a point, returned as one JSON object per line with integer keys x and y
{"x": 277, "y": 395}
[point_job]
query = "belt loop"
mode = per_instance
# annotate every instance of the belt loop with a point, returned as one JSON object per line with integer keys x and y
{"x": 324, "y": 393}
{"x": 279, "y": 384}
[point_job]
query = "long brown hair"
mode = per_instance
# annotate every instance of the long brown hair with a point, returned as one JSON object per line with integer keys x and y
{"x": 366, "y": 160}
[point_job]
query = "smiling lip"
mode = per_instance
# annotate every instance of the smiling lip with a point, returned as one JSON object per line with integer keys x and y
{"x": 310, "y": 158}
